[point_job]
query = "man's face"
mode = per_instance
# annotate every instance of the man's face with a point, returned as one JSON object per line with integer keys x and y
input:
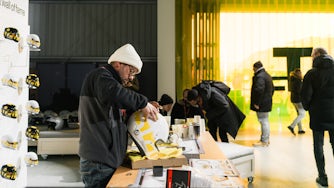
{"x": 127, "y": 73}
{"x": 314, "y": 54}
{"x": 254, "y": 69}
{"x": 193, "y": 102}
{"x": 167, "y": 107}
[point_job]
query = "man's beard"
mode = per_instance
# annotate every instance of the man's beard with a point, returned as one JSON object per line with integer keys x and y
{"x": 126, "y": 83}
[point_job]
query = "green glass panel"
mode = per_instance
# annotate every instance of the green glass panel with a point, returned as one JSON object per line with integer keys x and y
{"x": 299, "y": 2}
{"x": 228, "y": 2}
{"x": 272, "y": 2}
{"x": 322, "y": 2}
{"x": 263, "y": 2}
{"x": 238, "y": 2}
{"x": 255, "y": 2}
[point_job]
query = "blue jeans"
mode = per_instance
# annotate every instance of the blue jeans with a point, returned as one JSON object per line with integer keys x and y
{"x": 318, "y": 149}
{"x": 301, "y": 114}
{"x": 94, "y": 174}
{"x": 263, "y": 118}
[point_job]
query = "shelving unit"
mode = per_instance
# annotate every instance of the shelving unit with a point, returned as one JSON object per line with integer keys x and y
{"x": 14, "y": 92}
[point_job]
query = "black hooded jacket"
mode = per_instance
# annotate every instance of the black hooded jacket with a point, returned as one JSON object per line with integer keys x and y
{"x": 219, "y": 108}
{"x": 318, "y": 93}
{"x": 103, "y": 131}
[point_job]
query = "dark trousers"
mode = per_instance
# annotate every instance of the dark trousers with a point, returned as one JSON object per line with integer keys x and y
{"x": 318, "y": 149}
{"x": 94, "y": 174}
{"x": 213, "y": 127}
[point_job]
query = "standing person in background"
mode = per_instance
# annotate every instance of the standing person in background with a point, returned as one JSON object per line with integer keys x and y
{"x": 166, "y": 103}
{"x": 179, "y": 110}
{"x": 317, "y": 98}
{"x": 295, "y": 86}
{"x": 103, "y": 130}
{"x": 261, "y": 100}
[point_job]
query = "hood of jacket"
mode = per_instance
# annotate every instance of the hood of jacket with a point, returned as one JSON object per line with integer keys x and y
{"x": 323, "y": 62}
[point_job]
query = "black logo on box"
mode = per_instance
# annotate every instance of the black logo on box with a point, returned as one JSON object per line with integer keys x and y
{"x": 178, "y": 178}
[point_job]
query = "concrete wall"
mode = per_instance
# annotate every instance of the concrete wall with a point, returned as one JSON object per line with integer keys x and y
{"x": 166, "y": 47}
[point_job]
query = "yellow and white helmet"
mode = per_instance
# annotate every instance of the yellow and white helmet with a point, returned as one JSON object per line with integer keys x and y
{"x": 33, "y": 81}
{"x": 11, "y": 81}
{"x": 31, "y": 159}
{"x": 10, "y": 142}
{"x": 32, "y": 107}
{"x": 33, "y": 41}
{"x": 9, "y": 110}
{"x": 11, "y": 33}
{"x": 32, "y": 133}
{"x": 146, "y": 132}
{"x": 9, "y": 171}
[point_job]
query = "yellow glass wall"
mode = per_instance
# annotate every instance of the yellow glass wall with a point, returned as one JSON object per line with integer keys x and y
{"x": 277, "y": 5}
{"x": 279, "y": 33}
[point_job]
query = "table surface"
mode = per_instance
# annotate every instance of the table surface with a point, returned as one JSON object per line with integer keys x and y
{"x": 123, "y": 177}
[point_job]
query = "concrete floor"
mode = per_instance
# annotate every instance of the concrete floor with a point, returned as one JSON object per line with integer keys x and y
{"x": 55, "y": 171}
{"x": 287, "y": 162}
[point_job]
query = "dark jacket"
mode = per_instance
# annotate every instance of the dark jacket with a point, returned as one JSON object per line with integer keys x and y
{"x": 103, "y": 131}
{"x": 262, "y": 91}
{"x": 163, "y": 112}
{"x": 183, "y": 110}
{"x": 318, "y": 93}
{"x": 295, "y": 86}
{"x": 219, "y": 108}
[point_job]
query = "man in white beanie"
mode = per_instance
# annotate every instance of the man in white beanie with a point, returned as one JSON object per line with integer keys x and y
{"x": 103, "y": 130}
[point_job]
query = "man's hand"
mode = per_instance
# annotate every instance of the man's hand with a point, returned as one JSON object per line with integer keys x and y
{"x": 150, "y": 111}
{"x": 256, "y": 106}
{"x": 155, "y": 104}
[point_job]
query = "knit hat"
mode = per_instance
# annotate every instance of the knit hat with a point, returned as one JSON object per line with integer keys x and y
{"x": 165, "y": 99}
{"x": 127, "y": 55}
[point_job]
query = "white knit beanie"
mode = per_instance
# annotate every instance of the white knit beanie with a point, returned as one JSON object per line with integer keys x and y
{"x": 127, "y": 55}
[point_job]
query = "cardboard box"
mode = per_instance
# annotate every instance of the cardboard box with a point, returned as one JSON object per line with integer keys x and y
{"x": 172, "y": 162}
